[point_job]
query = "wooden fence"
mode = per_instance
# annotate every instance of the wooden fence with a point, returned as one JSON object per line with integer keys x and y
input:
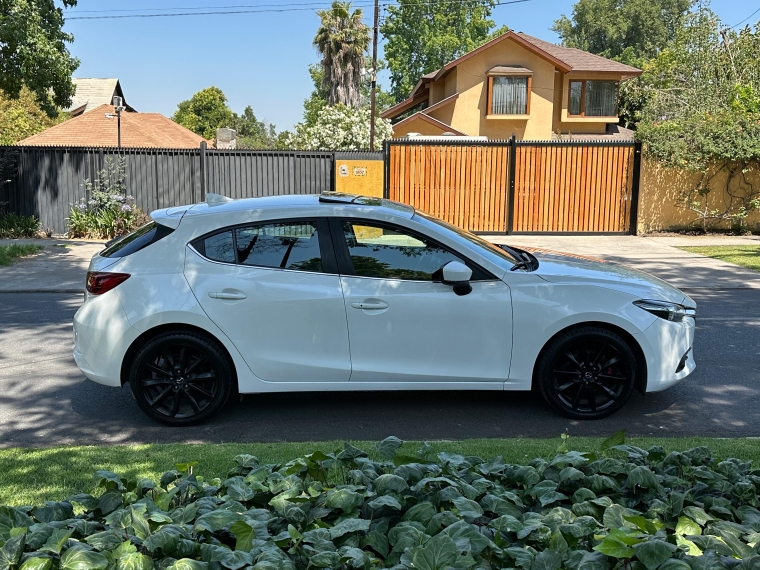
{"x": 519, "y": 186}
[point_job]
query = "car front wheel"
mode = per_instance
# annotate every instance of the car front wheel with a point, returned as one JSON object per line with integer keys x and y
{"x": 181, "y": 378}
{"x": 587, "y": 373}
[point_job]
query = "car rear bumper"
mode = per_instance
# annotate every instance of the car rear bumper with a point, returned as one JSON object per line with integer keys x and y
{"x": 669, "y": 351}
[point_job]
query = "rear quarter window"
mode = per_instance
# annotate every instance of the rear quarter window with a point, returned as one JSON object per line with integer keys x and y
{"x": 139, "y": 239}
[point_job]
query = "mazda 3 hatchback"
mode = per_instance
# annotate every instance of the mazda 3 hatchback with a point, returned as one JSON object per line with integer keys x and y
{"x": 338, "y": 292}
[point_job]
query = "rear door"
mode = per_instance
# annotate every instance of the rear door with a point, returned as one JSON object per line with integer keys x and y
{"x": 274, "y": 290}
{"x": 404, "y": 326}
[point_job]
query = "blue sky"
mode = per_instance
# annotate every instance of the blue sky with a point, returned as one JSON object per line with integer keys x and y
{"x": 258, "y": 59}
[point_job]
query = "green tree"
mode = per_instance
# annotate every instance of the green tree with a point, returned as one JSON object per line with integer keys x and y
{"x": 702, "y": 114}
{"x": 423, "y": 36}
{"x": 630, "y": 31}
{"x": 342, "y": 39}
{"x": 254, "y": 134}
{"x": 23, "y": 117}
{"x": 205, "y": 112}
{"x": 33, "y": 52}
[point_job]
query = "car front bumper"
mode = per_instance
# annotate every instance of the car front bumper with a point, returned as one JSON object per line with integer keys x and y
{"x": 669, "y": 351}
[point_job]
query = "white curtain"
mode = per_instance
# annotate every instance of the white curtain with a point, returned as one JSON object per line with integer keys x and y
{"x": 509, "y": 96}
{"x": 601, "y": 98}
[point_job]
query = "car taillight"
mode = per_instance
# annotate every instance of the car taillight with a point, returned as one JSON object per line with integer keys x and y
{"x": 99, "y": 282}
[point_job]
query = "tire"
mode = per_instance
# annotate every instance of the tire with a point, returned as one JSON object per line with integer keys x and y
{"x": 181, "y": 378}
{"x": 586, "y": 373}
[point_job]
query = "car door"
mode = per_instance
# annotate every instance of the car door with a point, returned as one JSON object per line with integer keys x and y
{"x": 273, "y": 289}
{"x": 405, "y": 327}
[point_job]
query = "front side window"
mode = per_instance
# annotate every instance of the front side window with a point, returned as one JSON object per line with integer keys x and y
{"x": 291, "y": 245}
{"x": 593, "y": 98}
{"x": 378, "y": 251}
{"x": 509, "y": 95}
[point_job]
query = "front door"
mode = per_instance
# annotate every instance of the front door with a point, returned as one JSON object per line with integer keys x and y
{"x": 403, "y": 326}
{"x": 271, "y": 290}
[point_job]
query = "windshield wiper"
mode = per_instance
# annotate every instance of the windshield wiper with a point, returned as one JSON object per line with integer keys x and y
{"x": 519, "y": 265}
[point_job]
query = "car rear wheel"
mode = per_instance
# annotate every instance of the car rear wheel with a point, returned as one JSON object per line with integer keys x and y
{"x": 587, "y": 373}
{"x": 181, "y": 378}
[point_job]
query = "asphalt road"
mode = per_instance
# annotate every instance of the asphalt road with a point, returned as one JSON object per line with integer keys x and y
{"x": 45, "y": 401}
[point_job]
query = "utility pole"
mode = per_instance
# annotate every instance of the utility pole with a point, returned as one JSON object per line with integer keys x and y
{"x": 373, "y": 98}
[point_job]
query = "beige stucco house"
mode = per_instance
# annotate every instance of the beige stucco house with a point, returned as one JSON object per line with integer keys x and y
{"x": 521, "y": 85}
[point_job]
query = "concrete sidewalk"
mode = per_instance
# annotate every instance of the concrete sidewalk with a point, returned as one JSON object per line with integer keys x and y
{"x": 656, "y": 255}
{"x": 60, "y": 267}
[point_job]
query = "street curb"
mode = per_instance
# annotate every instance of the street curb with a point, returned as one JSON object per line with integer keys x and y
{"x": 42, "y": 291}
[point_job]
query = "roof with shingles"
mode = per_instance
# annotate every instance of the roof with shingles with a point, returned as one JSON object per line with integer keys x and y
{"x": 96, "y": 129}
{"x": 579, "y": 60}
{"x": 92, "y": 92}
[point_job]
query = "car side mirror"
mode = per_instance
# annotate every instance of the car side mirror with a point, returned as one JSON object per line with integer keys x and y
{"x": 458, "y": 275}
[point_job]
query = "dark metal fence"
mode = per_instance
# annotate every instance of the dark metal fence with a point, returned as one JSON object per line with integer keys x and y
{"x": 45, "y": 181}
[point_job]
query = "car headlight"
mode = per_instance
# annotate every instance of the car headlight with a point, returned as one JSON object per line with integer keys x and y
{"x": 666, "y": 310}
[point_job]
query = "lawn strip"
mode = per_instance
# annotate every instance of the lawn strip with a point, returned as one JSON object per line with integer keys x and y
{"x": 744, "y": 255}
{"x": 10, "y": 253}
{"x": 32, "y": 476}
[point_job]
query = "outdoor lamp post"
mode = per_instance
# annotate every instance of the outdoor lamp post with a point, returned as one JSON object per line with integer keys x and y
{"x": 118, "y": 104}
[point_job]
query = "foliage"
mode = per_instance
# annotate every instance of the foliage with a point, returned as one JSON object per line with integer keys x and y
{"x": 341, "y": 40}
{"x": 15, "y": 226}
{"x": 744, "y": 255}
{"x": 109, "y": 212}
{"x": 423, "y": 36}
{"x": 630, "y": 31}
{"x": 10, "y": 253}
{"x": 255, "y": 134}
{"x": 33, "y": 52}
{"x": 624, "y": 508}
{"x": 205, "y": 112}
{"x": 22, "y": 117}
{"x": 701, "y": 114}
{"x": 339, "y": 128}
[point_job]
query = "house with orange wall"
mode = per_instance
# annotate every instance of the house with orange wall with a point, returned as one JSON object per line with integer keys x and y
{"x": 519, "y": 85}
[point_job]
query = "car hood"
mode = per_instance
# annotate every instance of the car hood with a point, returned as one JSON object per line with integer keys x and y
{"x": 557, "y": 267}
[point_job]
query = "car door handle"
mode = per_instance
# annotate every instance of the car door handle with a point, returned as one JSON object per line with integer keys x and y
{"x": 370, "y": 306}
{"x": 227, "y": 295}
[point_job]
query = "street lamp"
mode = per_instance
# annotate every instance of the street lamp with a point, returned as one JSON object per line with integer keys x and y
{"x": 118, "y": 104}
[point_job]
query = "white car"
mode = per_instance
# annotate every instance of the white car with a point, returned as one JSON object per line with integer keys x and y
{"x": 339, "y": 292}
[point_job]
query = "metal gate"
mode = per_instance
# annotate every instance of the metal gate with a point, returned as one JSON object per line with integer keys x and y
{"x": 519, "y": 186}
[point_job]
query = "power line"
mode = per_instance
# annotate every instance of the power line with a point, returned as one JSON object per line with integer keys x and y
{"x": 745, "y": 19}
{"x": 223, "y": 10}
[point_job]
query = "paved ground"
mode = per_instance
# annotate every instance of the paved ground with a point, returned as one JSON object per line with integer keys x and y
{"x": 45, "y": 401}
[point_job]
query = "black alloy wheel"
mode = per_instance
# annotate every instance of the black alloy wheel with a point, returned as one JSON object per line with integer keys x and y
{"x": 587, "y": 373}
{"x": 181, "y": 378}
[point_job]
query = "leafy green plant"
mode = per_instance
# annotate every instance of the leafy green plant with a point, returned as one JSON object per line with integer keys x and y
{"x": 10, "y": 253}
{"x": 621, "y": 508}
{"x": 15, "y": 226}
{"x": 109, "y": 212}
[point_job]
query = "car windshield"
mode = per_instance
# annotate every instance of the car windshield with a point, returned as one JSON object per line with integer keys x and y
{"x": 472, "y": 238}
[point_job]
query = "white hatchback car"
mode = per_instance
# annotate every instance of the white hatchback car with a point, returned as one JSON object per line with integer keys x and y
{"x": 337, "y": 292}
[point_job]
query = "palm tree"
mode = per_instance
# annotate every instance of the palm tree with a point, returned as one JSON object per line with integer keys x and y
{"x": 341, "y": 40}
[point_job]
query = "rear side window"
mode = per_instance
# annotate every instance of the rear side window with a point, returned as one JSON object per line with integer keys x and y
{"x": 219, "y": 247}
{"x": 139, "y": 239}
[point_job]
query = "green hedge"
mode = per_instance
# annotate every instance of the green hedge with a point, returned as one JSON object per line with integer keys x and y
{"x": 624, "y": 507}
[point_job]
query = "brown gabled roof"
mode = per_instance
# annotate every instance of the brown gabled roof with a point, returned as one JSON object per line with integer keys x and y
{"x": 565, "y": 59}
{"x": 404, "y": 105}
{"x": 428, "y": 119}
{"x": 138, "y": 130}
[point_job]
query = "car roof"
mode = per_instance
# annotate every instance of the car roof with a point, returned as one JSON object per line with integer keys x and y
{"x": 327, "y": 203}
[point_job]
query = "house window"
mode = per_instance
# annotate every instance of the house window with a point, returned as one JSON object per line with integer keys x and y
{"x": 509, "y": 95}
{"x": 593, "y": 99}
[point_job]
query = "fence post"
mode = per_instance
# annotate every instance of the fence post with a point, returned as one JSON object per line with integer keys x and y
{"x": 203, "y": 171}
{"x": 511, "y": 189}
{"x": 635, "y": 188}
{"x": 386, "y": 169}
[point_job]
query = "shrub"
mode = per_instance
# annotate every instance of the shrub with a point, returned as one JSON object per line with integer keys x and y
{"x": 625, "y": 507}
{"x": 109, "y": 212}
{"x": 15, "y": 226}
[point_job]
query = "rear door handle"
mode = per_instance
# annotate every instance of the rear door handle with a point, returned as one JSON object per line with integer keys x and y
{"x": 373, "y": 306}
{"x": 226, "y": 295}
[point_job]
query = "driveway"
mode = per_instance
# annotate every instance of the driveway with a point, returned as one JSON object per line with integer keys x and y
{"x": 45, "y": 400}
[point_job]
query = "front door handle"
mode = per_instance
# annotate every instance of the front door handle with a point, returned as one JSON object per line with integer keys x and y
{"x": 227, "y": 295}
{"x": 370, "y": 306}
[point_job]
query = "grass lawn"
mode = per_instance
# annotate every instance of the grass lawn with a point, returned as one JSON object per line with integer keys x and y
{"x": 10, "y": 253}
{"x": 32, "y": 476}
{"x": 745, "y": 255}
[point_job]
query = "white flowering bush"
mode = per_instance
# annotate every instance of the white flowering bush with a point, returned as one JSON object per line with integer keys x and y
{"x": 110, "y": 211}
{"x": 339, "y": 128}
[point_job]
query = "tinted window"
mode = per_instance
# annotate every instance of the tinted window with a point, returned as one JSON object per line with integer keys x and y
{"x": 219, "y": 247}
{"x": 377, "y": 251}
{"x": 140, "y": 238}
{"x": 292, "y": 245}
